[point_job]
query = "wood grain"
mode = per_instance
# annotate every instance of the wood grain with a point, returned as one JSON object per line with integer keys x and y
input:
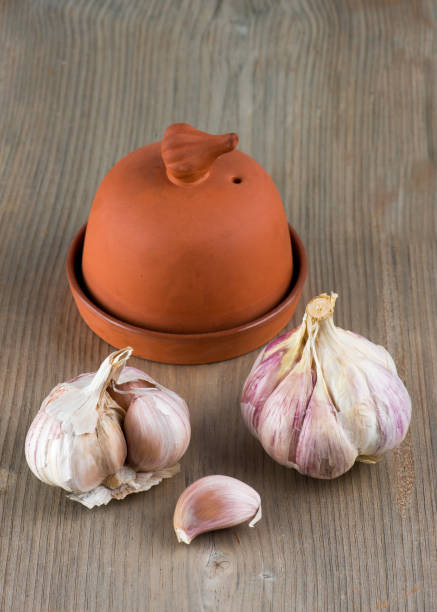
{"x": 337, "y": 99}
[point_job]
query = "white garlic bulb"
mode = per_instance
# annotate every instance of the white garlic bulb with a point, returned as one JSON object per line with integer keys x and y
{"x": 320, "y": 398}
{"x": 76, "y": 440}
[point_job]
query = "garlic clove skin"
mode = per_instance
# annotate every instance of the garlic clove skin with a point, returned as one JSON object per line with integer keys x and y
{"x": 392, "y": 408}
{"x": 215, "y": 502}
{"x": 287, "y": 403}
{"x": 157, "y": 422}
{"x": 156, "y": 438}
{"x": 373, "y": 404}
{"x": 268, "y": 370}
{"x": 351, "y": 344}
{"x": 349, "y": 391}
{"x": 324, "y": 450}
{"x": 258, "y": 387}
{"x": 99, "y": 455}
{"x": 130, "y": 380}
{"x": 78, "y": 408}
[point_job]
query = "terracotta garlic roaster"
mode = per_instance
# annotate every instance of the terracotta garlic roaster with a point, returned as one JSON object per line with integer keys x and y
{"x": 187, "y": 255}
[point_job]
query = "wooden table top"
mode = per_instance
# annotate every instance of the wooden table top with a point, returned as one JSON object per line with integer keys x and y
{"x": 337, "y": 100}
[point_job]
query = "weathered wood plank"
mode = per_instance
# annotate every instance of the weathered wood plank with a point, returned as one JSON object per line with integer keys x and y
{"x": 338, "y": 101}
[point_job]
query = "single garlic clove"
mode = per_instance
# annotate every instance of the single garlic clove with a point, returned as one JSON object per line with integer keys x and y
{"x": 157, "y": 422}
{"x": 157, "y": 432}
{"x": 373, "y": 404}
{"x": 271, "y": 366}
{"x": 287, "y": 404}
{"x": 215, "y": 502}
{"x": 324, "y": 450}
{"x": 392, "y": 407}
{"x": 355, "y": 407}
{"x": 97, "y": 455}
{"x": 259, "y": 385}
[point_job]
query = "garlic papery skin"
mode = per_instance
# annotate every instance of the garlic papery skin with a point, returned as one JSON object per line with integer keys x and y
{"x": 287, "y": 403}
{"x": 157, "y": 422}
{"x": 125, "y": 482}
{"x": 271, "y": 366}
{"x": 76, "y": 440}
{"x": 324, "y": 450}
{"x": 321, "y": 398}
{"x": 215, "y": 502}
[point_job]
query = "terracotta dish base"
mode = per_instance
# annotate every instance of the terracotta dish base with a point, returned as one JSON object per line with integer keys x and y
{"x": 185, "y": 348}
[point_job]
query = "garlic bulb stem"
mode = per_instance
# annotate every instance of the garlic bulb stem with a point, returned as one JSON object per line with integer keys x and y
{"x": 321, "y": 307}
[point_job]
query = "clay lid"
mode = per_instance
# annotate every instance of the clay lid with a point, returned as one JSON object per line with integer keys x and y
{"x": 187, "y": 235}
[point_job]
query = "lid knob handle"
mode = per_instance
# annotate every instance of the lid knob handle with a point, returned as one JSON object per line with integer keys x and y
{"x": 188, "y": 154}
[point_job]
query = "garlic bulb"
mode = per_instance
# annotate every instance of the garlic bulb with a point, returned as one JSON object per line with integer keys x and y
{"x": 320, "y": 398}
{"x": 215, "y": 502}
{"x": 76, "y": 440}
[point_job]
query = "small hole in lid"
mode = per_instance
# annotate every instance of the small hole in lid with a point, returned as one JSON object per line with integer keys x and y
{"x": 237, "y": 179}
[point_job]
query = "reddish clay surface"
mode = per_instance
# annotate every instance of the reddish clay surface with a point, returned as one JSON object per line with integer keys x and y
{"x": 197, "y": 244}
{"x": 185, "y": 348}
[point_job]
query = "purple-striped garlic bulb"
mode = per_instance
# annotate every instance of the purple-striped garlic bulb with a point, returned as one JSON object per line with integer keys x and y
{"x": 89, "y": 433}
{"x": 319, "y": 398}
